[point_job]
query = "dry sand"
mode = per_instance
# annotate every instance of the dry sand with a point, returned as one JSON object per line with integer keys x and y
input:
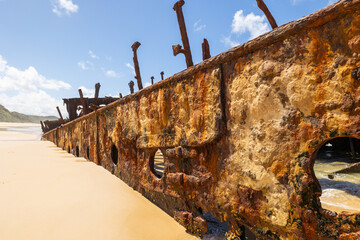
{"x": 46, "y": 193}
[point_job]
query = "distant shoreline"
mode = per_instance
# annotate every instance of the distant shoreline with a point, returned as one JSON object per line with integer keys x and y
{"x": 15, "y": 117}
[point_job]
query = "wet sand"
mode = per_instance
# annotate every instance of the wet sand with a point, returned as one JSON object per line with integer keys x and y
{"x": 46, "y": 193}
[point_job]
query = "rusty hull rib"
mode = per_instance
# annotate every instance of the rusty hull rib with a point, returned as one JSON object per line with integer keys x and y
{"x": 239, "y": 132}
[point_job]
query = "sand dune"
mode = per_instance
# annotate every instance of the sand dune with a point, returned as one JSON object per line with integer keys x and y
{"x": 46, "y": 193}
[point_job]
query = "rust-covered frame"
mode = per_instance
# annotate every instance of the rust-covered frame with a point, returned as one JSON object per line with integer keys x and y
{"x": 240, "y": 131}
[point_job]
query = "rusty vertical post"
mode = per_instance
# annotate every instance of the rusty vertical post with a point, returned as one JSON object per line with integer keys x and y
{"x": 206, "y": 49}
{"x": 131, "y": 85}
{"x": 97, "y": 89}
{"x": 152, "y": 80}
{"x": 61, "y": 117}
{"x": 184, "y": 37}
{"x": 120, "y": 95}
{"x": 83, "y": 103}
{"x": 134, "y": 47}
{"x": 268, "y": 14}
{"x": 42, "y": 126}
{"x": 162, "y": 75}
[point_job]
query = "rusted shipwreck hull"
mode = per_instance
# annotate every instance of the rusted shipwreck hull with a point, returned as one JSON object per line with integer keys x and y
{"x": 240, "y": 131}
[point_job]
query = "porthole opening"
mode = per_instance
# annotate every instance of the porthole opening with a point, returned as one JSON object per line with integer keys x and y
{"x": 157, "y": 164}
{"x": 77, "y": 151}
{"x": 88, "y": 153}
{"x": 114, "y": 154}
{"x": 337, "y": 168}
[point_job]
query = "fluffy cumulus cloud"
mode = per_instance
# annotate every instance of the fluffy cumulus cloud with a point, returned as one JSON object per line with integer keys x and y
{"x": 251, "y": 24}
{"x": 87, "y": 92}
{"x": 25, "y": 90}
{"x": 64, "y": 6}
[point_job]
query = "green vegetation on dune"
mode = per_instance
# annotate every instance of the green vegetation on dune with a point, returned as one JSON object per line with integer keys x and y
{"x": 7, "y": 116}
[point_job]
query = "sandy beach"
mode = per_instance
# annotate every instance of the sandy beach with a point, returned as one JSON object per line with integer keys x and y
{"x": 47, "y": 193}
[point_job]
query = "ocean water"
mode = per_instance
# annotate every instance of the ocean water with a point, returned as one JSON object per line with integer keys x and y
{"x": 29, "y": 132}
{"x": 342, "y": 193}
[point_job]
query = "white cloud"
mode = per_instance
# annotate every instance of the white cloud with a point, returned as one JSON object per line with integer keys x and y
{"x": 332, "y": 1}
{"x": 92, "y": 55}
{"x": 131, "y": 67}
{"x": 32, "y": 103}
{"x": 147, "y": 84}
{"x": 85, "y": 65}
{"x": 64, "y": 6}
{"x": 253, "y": 24}
{"x": 111, "y": 74}
{"x": 82, "y": 65}
{"x": 198, "y": 27}
{"x": 27, "y": 88}
{"x": 87, "y": 92}
{"x": 229, "y": 42}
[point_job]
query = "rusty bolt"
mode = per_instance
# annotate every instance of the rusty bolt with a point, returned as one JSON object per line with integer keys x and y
{"x": 162, "y": 75}
{"x": 152, "y": 79}
{"x": 131, "y": 85}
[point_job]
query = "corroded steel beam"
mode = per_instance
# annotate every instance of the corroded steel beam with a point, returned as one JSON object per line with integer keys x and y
{"x": 268, "y": 14}
{"x": 131, "y": 86}
{"x": 97, "y": 89}
{"x": 134, "y": 47}
{"x": 85, "y": 107}
{"x": 184, "y": 37}
{"x": 206, "y": 49}
{"x": 43, "y": 127}
{"x": 247, "y": 161}
{"x": 61, "y": 117}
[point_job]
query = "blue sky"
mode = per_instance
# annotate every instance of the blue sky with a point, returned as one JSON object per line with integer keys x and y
{"x": 50, "y": 48}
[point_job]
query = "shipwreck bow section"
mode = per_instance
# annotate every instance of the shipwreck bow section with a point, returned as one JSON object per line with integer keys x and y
{"x": 239, "y": 132}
